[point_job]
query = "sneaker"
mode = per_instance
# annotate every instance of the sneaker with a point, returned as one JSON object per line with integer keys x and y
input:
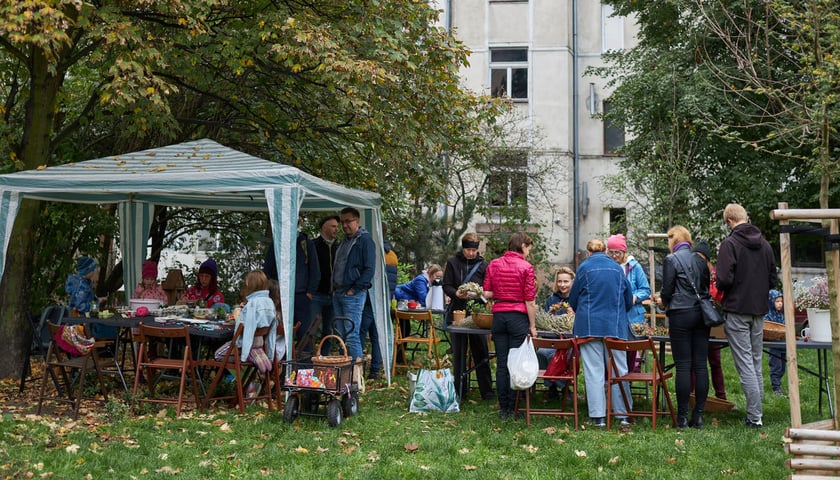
{"x": 625, "y": 422}
{"x": 374, "y": 376}
{"x": 750, "y": 424}
{"x": 779, "y": 393}
{"x": 488, "y": 396}
{"x": 600, "y": 422}
{"x": 505, "y": 414}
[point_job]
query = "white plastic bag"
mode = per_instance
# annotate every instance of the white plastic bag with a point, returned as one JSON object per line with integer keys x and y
{"x": 523, "y": 365}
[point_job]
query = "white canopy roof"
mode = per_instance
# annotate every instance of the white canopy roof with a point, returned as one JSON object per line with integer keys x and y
{"x": 200, "y": 174}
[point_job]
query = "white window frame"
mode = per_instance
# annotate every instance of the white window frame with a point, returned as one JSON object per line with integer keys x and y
{"x": 509, "y": 67}
{"x": 612, "y": 30}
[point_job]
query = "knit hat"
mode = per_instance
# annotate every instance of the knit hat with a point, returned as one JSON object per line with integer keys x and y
{"x": 85, "y": 265}
{"x": 150, "y": 269}
{"x": 617, "y": 242}
{"x": 702, "y": 247}
{"x": 209, "y": 266}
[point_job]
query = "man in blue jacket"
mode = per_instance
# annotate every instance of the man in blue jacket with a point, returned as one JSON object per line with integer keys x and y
{"x": 355, "y": 265}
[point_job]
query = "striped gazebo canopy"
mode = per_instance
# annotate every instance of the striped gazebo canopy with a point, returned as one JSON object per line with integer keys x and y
{"x": 199, "y": 174}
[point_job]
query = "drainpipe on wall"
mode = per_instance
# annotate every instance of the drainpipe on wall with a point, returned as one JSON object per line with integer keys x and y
{"x": 575, "y": 133}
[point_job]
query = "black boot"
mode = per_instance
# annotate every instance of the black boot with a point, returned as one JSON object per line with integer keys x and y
{"x": 682, "y": 417}
{"x": 696, "y": 419}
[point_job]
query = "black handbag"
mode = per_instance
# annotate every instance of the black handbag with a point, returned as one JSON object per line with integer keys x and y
{"x": 711, "y": 315}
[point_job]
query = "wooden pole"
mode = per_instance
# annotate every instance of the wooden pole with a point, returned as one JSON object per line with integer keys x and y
{"x": 790, "y": 327}
{"x": 651, "y": 238}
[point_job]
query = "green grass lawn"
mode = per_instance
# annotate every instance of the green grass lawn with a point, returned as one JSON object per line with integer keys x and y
{"x": 386, "y": 441}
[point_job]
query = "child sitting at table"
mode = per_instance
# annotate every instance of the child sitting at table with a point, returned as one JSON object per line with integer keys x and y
{"x": 257, "y": 312}
{"x": 778, "y": 360}
{"x": 149, "y": 288}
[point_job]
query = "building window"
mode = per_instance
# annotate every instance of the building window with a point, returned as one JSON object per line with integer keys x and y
{"x": 613, "y": 134}
{"x": 618, "y": 221}
{"x": 612, "y": 30}
{"x": 508, "y": 181}
{"x": 509, "y": 73}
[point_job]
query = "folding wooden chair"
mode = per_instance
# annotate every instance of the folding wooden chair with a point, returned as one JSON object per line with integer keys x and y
{"x": 72, "y": 370}
{"x": 154, "y": 368}
{"x": 656, "y": 378}
{"x": 569, "y": 376}
{"x": 243, "y": 372}
{"x": 420, "y": 322}
{"x": 39, "y": 342}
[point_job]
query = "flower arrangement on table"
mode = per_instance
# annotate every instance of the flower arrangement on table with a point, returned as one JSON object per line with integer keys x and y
{"x": 813, "y": 296}
{"x": 645, "y": 330}
{"x": 559, "y": 307}
{"x": 558, "y": 324}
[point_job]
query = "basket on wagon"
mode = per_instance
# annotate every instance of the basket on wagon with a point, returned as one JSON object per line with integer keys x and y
{"x": 333, "y": 370}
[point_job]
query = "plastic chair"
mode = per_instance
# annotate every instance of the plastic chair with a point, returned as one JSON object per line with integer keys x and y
{"x": 569, "y": 376}
{"x": 421, "y": 322}
{"x": 655, "y": 378}
{"x": 72, "y": 370}
{"x": 153, "y": 367}
{"x": 243, "y": 372}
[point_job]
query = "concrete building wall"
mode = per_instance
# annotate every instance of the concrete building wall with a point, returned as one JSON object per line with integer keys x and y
{"x": 545, "y": 27}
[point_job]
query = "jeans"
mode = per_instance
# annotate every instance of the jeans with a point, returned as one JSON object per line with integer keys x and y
{"x": 745, "y": 334}
{"x": 690, "y": 349}
{"x": 777, "y": 363}
{"x": 350, "y": 306}
{"x": 593, "y": 355}
{"x": 322, "y": 305}
{"x": 368, "y": 329}
{"x": 509, "y": 331}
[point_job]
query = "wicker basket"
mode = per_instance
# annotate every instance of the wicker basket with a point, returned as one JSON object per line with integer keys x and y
{"x": 332, "y": 360}
{"x": 483, "y": 320}
{"x": 773, "y": 332}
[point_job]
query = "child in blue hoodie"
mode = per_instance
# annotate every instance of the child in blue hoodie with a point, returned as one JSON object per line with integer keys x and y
{"x": 778, "y": 360}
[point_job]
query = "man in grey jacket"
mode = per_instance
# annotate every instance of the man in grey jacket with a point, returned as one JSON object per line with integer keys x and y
{"x": 746, "y": 271}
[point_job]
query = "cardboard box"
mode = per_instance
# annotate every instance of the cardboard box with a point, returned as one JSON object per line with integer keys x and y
{"x": 717, "y": 332}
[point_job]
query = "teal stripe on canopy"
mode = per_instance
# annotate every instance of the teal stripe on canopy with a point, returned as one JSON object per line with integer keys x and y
{"x": 9, "y": 205}
{"x": 135, "y": 220}
{"x": 283, "y": 208}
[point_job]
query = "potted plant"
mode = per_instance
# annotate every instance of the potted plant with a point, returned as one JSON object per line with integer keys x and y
{"x": 481, "y": 313}
{"x": 814, "y": 299}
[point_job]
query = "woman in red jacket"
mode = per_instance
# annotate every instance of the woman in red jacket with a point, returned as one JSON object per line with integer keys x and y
{"x": 510, "y": 282}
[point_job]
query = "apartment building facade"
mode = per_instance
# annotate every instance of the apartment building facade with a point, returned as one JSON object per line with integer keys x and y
{"x": 536, "y": 52}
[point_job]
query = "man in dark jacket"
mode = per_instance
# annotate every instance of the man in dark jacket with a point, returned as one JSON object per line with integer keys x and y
{"x": 353, "y": 270}
{"x": 746, "y": 271}
{"x": 326, "y": 245}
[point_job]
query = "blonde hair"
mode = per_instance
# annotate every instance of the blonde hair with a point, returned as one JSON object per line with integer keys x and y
{"x": 596, "y": 245}
{"x": 735, "y": 212}
{"x": 563, "y": 271}
{"x": 254, "y": 281}
{"x": 433, "y": 269}
{"x": 677, "y": 234}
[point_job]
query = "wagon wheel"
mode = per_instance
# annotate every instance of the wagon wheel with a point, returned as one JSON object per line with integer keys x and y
{"x": 291, "y": 410}
{"x": 350, "y": 403}
{"x": 334, "y": 414}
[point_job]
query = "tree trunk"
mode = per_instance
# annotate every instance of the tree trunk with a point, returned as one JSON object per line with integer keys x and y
{"x": 14, "y": 291}
{"x": 34, "y": 150}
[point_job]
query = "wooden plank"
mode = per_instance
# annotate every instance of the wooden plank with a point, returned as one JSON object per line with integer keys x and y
{"x": 813, "y": 449}
{"x": 813, "y": 464}
{"x": 810, "y": 434}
